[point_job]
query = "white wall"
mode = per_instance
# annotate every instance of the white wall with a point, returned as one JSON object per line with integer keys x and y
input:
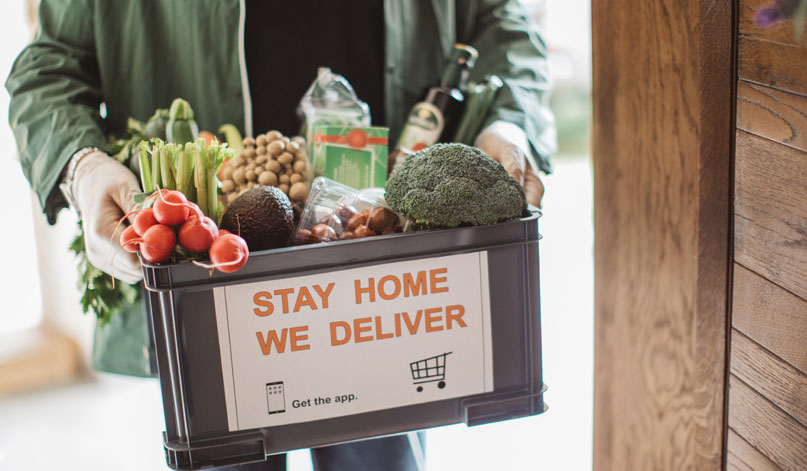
{"x": 19, "y": 277}
{"x": 38, "y": 280}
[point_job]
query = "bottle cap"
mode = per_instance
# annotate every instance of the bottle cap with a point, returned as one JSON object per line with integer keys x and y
{"x": 465, "y": 54}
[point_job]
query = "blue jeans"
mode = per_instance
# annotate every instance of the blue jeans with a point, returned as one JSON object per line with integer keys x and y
{"x": 395, "y": 453}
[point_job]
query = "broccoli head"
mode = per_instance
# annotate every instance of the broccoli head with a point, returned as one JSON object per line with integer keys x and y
{"x": 450, "y": 185}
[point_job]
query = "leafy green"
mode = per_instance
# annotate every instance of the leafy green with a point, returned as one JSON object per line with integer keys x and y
{"x": 142, "y": 197}
{"x": 100, "y": 295}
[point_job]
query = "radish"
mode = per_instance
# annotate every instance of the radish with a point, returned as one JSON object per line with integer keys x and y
{"x": 171, "y": 208}
{"x": 228, "y": 253}
{"x": 128, "y": 240}
{"x": 194, "y": 209}
{"x": 157, "y": 243}
{"x": 198, "y": 233}
{"x": 144, "y": 219}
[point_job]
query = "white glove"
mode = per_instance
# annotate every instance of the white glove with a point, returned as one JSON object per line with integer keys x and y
{"x": 104, "y": 191}
{"x": 507, "y": 144}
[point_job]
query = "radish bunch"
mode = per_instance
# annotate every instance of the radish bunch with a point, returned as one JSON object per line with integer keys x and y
{"x": 171, "y": 219}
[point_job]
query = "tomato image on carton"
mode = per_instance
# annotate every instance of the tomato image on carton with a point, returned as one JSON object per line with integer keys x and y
{"x": 351, "y": 155}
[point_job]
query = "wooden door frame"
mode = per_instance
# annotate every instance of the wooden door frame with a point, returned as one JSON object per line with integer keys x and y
{"x": 663, "y": 101}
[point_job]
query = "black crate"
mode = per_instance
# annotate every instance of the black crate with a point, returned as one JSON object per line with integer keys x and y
{"x": 180, "y": 299}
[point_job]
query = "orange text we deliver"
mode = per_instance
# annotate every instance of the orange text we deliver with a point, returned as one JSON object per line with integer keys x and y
{"x": 363, "y": 329}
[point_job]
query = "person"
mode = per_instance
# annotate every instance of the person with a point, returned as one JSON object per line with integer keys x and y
{"x": 93, "y": 64}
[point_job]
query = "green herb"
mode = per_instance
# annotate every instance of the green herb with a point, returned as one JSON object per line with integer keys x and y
{"x": 101, "y": 295}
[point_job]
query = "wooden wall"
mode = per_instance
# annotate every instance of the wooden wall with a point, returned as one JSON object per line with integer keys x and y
{"x": 767, "y": 407}
{"x": 661, "y": 144}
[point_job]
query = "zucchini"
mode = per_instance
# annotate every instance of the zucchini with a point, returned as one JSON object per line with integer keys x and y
{"x": 181, "y": 128}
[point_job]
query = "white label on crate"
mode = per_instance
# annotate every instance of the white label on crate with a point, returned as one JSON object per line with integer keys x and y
{"x": 352, "y": 341}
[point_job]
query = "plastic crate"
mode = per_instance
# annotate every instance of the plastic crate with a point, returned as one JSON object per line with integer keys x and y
{"x": 183, "y": 314}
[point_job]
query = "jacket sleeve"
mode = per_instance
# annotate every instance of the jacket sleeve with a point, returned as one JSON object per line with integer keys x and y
{"x": 510, "y": 48}
{"x": 56, "y": 95}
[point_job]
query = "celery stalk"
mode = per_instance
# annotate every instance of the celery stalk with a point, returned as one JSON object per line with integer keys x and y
{"x": 188, "y": 169}
{"x": 182, "y": 177}
{"x": 173, "y": 156}
{"x": 215, "y": 157}
{"x": 156, "y": 173}
{"x": 166, "y": 170}
{"x": 184, "y": 167}
{"x": 145, "y": 168}
{"x": 200, "y": 177}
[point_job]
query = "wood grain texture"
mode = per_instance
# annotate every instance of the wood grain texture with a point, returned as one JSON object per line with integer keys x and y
{"x": 741, "y": 456}
{"x": 661, "y": 149}
{"x": 766, "y": 427}
{"x": 773, "y": 114}
{"x": 770, "y": 226}
{"x": 774, "y": 64}
{"x": 778, "y": 381}
{"x": 782, "y": 32}
{"x": 771, "y": 316}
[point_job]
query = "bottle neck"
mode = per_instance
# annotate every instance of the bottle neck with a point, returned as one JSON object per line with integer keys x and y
{"x": 453, "y": 75}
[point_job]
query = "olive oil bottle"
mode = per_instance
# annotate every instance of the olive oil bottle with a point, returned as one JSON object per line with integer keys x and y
{"x": 435, "y": 118}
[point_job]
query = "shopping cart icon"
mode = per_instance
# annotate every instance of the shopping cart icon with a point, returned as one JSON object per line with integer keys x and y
{"x": 429, "y": 370}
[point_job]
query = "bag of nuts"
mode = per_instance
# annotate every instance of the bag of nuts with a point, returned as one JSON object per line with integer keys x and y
{"x": 337, "y": 212}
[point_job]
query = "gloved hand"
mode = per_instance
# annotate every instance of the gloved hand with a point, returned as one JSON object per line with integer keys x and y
{"x": 103, "y": 190}
{"x": 507, "y": 144}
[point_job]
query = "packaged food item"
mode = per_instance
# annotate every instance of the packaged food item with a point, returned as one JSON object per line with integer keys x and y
{"x": 337, "y": 212}
{"x": 351, "y": 155}
{"x": 330, "y": 100}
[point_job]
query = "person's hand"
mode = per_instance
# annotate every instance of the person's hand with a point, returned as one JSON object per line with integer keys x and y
{"x": 506, "y": 143}
{"x": 103, "y": 191}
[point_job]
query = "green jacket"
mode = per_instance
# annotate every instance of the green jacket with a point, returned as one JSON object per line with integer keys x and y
{"x": 134, "y": 56}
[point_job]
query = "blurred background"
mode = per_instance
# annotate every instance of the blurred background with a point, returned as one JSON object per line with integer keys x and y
{"x": 55, "y": 412}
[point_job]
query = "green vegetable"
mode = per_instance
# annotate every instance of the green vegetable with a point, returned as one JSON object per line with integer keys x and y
{"x": 215, "y": 158}
{"x": 155, "y": 127}
{"x": 200, "y": 176}
{"x": 190, "y": 168}
{"x": 166, "y": 169}
{"x": 184, "y": 166}
{"x": 100, "y": 294}
{"x": 207, "y": 161}
{"x": 145, "y": 168}
{"x": 449, "y": 185}
{"x": 124, "y": 148}
{"x": 232, "y": 136}
{"x": 181, "y": 127}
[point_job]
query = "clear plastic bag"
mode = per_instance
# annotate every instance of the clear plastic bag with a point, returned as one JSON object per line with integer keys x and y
{"x": 337, "y": 212}
{"x": 330, "y": 100}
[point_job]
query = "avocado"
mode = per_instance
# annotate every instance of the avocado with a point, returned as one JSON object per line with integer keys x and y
{"x": 263, "y": 216}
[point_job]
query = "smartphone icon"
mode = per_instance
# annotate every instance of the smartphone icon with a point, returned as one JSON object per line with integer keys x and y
{"x": 275, "y": 397}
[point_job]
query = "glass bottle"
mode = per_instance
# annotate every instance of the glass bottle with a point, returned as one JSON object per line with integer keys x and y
{"x": 435, "y": 118}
